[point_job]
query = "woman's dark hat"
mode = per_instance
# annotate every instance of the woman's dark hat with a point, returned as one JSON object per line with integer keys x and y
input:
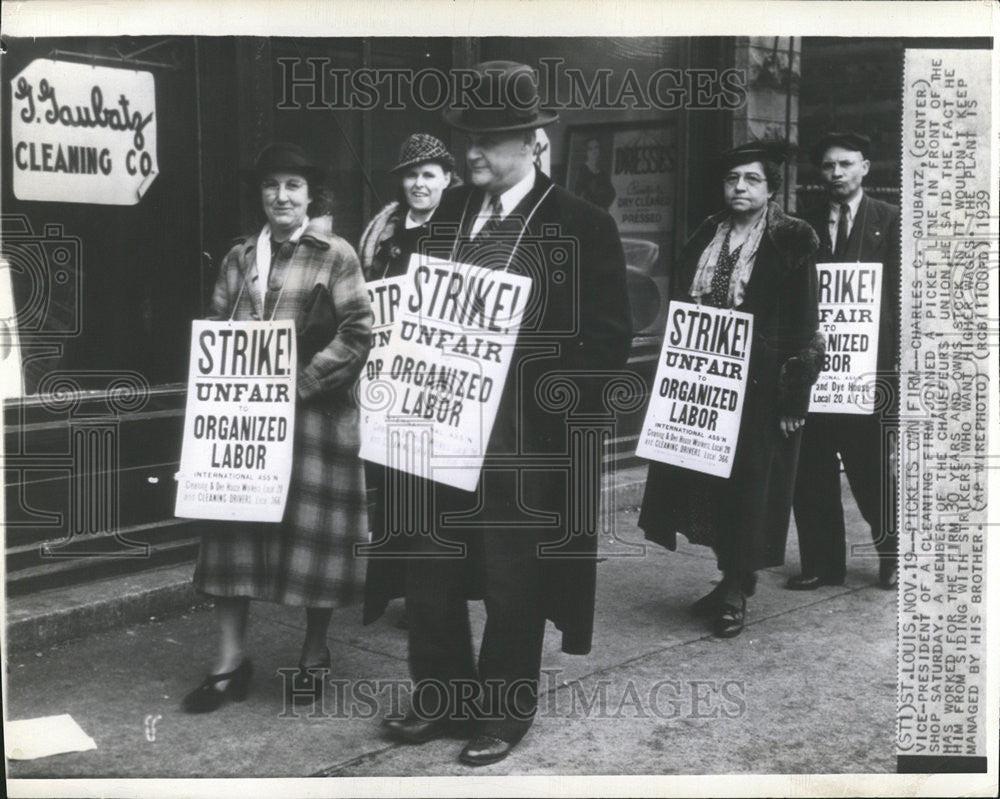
{"x": 849, "y": 140}
{"x": 503, "y": 97}
{"x": 421, "y": 148}
{"x": 774, "y": 150}
{"x": 286, "y": 157}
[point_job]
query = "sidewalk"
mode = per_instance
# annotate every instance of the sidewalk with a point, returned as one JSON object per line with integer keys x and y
{"x": 808, "y": 687}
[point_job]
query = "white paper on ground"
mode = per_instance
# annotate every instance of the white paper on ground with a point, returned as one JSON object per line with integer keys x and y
{"x": 29, "y": 739}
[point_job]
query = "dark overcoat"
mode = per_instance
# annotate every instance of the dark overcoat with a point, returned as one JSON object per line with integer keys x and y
{"x": 308, "y": 559}
{"x": 578, "y": 326}
{"x": 754, "y": 503}
{"x": 874, "y": 238}
{"x": 864, "y": 442}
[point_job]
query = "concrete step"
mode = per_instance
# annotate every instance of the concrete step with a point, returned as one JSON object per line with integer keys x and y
{"x": 65, "y": 569}
{"x": 41, "y": 618}
{"x": 37, "y": 620}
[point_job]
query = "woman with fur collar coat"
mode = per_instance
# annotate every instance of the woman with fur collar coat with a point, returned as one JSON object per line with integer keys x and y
{"x": 425, "y": 170}
{"x": 756, "y": 259}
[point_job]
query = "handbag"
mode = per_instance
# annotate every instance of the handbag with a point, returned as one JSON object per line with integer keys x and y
{"x": 317, "y": 323}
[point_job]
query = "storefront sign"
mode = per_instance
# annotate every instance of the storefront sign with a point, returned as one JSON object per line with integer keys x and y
{"x": 443, "y": 369}
{"x": 628, "y": 169}
{"x": 850, "y": 298}
{"x": 82, "y": 133}
{"x": 236, "y": 460}
{"x": 693, "y": 418}
{"x": 642, "y": 174}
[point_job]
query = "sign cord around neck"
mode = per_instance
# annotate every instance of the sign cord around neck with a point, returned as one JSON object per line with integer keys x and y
{"x": 243, "y": 285}
{"x": 524, "y": 227}
{"x": 239, "y": 296}
{"x": 520, "y": 235}
{"x": 461, "y": 227}
{"x": 284, "y": 280}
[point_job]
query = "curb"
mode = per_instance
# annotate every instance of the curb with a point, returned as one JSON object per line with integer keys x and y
{"x": 46, "y": 618}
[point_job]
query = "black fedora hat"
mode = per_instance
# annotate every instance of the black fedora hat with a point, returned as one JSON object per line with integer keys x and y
{"x": 776, "y": 151}
{"x": 504, "y": 97}
{"x": 285, "y": 157}
{"x": 848, "y": 139}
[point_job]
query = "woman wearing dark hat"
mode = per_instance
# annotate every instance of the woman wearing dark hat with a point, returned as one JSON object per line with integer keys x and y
{"x": 756, "y": 259}
{"x": 425, "y": 169}
{"x": 307, "y": 559}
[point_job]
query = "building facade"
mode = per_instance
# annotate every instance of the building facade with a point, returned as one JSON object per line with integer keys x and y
{"x": 105, "y": 293}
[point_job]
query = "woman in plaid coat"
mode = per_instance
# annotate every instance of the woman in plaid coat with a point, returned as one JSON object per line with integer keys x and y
{"x": 308, "y": 559}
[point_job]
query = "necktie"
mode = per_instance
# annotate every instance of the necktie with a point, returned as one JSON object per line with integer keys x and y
{"x": 493, "y": 223}
{"x": 840, "y": 247}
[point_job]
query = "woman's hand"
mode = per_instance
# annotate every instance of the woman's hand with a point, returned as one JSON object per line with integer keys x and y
{"x": 789, "y": 424}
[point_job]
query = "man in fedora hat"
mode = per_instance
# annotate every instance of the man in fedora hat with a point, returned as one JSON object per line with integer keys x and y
{"x": 511, "y": 216}
{"x": 852, "y": 227}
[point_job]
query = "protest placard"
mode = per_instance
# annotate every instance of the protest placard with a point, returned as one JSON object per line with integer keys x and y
{"x": 849, "y": 305}
{"x": 443, "y": 369}
{"x": 693, "y": 418}
{"x": 386, "y": 296}
{"x": 239, "y": 424}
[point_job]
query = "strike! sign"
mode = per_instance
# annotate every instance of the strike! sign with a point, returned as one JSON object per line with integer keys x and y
{"x": 850, "y": 298}
{"x": 693, "y": 418}
{"x": 82, "y": 133}
{"x": 386, "y": 297}
{"x": 440, "y": 368}
{"x": 236, "y": 460}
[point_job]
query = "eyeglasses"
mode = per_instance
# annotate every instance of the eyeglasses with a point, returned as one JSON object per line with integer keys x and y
{"x": 271, "y": 186}
{"x": 751, "y": 179}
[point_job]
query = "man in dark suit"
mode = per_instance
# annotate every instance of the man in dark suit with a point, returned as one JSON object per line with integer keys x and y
{"x": 522, "y": 555}
{"x": 852, "y": 227}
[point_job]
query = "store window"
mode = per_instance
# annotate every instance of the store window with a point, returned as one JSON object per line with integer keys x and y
{"x": 617, "y": 144}
{"x": 99, "y": 285}
{"x": 330, "y": 116}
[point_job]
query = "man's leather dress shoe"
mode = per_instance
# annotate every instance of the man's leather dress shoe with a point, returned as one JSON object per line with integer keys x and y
{"x": 413, "y": 729}
{"x": 809, "y": 582}
{"x": 485, "y": 749}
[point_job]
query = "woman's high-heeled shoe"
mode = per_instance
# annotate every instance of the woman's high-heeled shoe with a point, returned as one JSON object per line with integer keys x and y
{"x": 207, "y": 697}
{"x": 709, "y": 604}
{"x": 730, "y": 619}
{"x": 308, "y": 682}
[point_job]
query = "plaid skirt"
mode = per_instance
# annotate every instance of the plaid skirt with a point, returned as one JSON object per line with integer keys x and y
{"x": 308, "y": 559}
